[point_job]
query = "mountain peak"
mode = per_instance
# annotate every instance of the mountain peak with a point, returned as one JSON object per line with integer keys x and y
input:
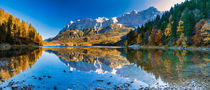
{"x": 152, "y": 9}
{"x": 101, "y": 19}
{"x": 134, "y": 12}
{"x": 71, "y": 22}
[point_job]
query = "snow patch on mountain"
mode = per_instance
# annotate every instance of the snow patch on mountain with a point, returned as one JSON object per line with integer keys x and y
{"x": 114, "y": 19}
{"x": 101, "y": 19}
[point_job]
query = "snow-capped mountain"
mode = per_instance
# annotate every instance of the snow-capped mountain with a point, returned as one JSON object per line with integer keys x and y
{"x": 136, "y": 18}
{"x": 103, "y": 31}
{"x": 132, "y": 19}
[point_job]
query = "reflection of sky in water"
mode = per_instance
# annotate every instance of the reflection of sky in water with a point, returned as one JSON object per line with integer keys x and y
{"x": 84, "y": 75}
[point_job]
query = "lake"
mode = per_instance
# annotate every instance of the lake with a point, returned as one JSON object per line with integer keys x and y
{"x": 103, "y": 68}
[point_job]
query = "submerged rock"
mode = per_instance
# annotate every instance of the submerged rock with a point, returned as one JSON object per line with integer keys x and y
{"x": 100, "y": 80}
{"x": 49, "y": 76}
{"x": 97, "y": 88}
{"x": 108, "y": 83}
{"x": 54, "y": 87}
{"x": 40, "y": 78}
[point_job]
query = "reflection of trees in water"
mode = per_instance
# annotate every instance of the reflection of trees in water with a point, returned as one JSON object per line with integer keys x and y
{"x": 170, "y": 65}
{"x": 13, "y": 61}
{"x": 109, "y": 56}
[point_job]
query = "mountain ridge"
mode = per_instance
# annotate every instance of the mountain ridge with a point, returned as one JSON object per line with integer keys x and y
{"x": 130, "y": 19}
{"x": 103, "y": 31}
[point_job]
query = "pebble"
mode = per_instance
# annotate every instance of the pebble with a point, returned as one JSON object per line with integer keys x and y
{"x": 132, "y": 81}
{"x": 49, "y": 76}
{"x": 40, "y": 78}
{"x": 126, "y": 84}
{"x": 14, "y": 87}
{"x": 97, "y": 88}
{"x": 117, "y": 88}
{"x": 55, "y": 87}
{"x": 100, "y": 80}
{"x": 141, "y": 88}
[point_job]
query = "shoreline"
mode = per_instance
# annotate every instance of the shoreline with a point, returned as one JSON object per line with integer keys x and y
{"x": 137, "y": 47}
{"x": 8, "y": 46}
{"x": 86, "y": 46}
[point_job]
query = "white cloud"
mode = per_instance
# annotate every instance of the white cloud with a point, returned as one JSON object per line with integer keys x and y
{"x": 163, "y": 5}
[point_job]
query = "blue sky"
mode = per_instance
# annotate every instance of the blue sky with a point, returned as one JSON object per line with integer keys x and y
{"x": 50, "y": 16}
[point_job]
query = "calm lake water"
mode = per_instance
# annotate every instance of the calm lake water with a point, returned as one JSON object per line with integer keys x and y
{"x": 103, "y": 68}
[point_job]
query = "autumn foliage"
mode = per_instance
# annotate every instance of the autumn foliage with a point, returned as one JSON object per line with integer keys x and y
{"x": 14, "y": 31}
{"x": 185, "y": 24}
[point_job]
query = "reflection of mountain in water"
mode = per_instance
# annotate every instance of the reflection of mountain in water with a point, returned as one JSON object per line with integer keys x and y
{"x": 16, "y": 60}
{"x": 108, "y": 56}
{"x": 153, "y": 67}
{"x": 173, "y": 66}
{"x": 103, "y": 60}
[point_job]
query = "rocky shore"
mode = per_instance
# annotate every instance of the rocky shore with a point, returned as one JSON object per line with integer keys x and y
{"x": 136, "y": 47}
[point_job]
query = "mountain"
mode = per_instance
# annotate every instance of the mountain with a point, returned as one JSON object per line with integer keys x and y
{"x": 136, "y": 18}
{"x": 111, "y": 35}
{"x": 186, "y": 24}
{"x": 132, "y": 19}
{"x": 102, "y": 31}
